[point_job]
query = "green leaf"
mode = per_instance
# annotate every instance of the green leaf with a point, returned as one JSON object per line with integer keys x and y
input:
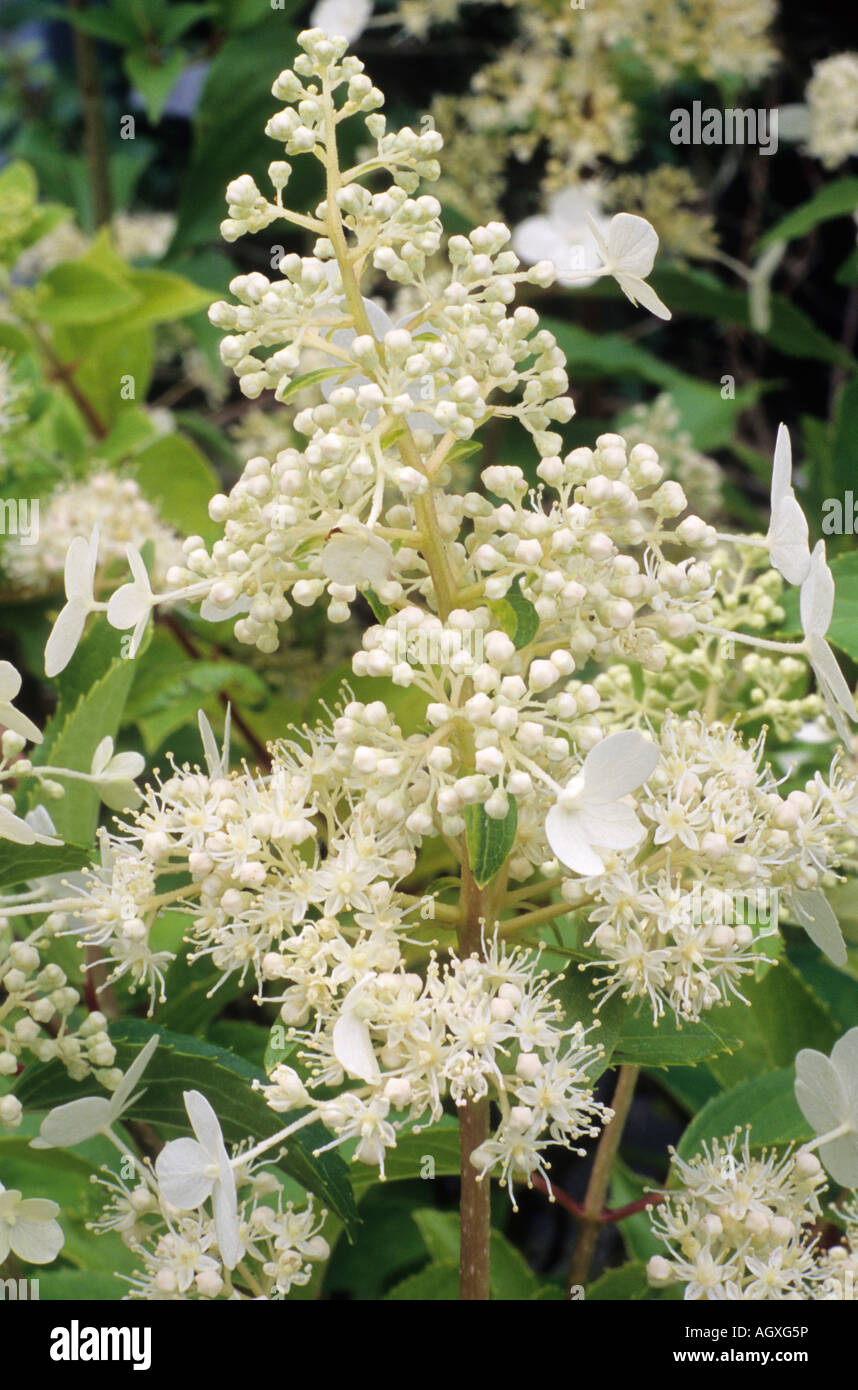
{"x": 847, "y": 273}
{"x": 845, "y": 434}
{"x": 465, "y": 449}
{"x": 300, "y": 383}
{"x": 77, "y": 293}
{"x": 235, "y": 104}
{"x": 622, "y": 1285}
{"x": 766, "y": 1103}
{"x": 155, "y": 81}
{"x": 381, "y": 611}
{"x": 21, "y": 863}
{"x": 644, "y": 1043}
{"x": 837, "y": 990}
{"x": 182, "y": 1063}
{"x": 164, "y": 296}
{"x": 700, "y": 295}
{"x": 627, "y": 1187}
{"x": 102, "y": 23}
{"x": 574, "y": 992}
{"x": 114, "y": 371}
{"x": 511, "y": 1277}
{"x": 133, "y": 428}
{"x": 68, "y": 1179}
{"x": 489, "y": 841}
{"x": 432, "y": 1153}
{"x": 710, "y": 418}
{"x": 179, "y": 18}
{"x": 192, "y": 997}
{"x": 837, "y": 199}
{"x": 18, "y": 183}
{"x": 179, "y": 480}
{"x": 79, "y": 724}
{"x": 440, "y": 1232}
{"x": 517, "y": 617}
{"x": 80, "y": 1285}
{"x": 436, "y": 1283}
{"x": 690, "y": 1087}
{"x": 783, "y": 1016}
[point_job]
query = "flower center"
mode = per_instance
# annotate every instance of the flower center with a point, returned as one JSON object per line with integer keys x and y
{"x": 573, "y": 794}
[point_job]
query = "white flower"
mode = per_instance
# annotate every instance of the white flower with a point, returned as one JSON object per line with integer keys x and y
{"x": 78, "y": 1120}
{"x": 214, "y": 612}
{"x": 346, "y": 18}
{"x": 357, "y": 557}
{"x": 26, "y": 831}
{"x": 131, "y": 605}
{"x": 80, "y": 567}
{"x": 351, "y": 1040}
{"x": 29, "y": 1228}
{"x": 10, "y": 684}
{"x": 217, "y": 762}
{"x": 826, "y": 1089}
{"x": 788, "y": 531}
{"x": 628, "y": 255}
{"x": 114, "y": 775}
{"x": 590, "y": 810}
{"x": 816, "y": 606}
{"x": 53, "y": 885}
{"x": 564, "y": 236}
{"x": 191, "y": 1170}
{"x": 815, "y": 914}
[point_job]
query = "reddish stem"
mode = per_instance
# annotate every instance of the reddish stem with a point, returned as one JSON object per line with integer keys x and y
{"x": 608, "y": 1215}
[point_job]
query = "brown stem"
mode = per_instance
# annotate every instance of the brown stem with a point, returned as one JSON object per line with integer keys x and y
{"x": 64, "y": 372}
{"x": 600, "y": 1178}
{"x": 474, "y": 1206}
{"x": 475, "y": 1199}
{"x": 94, "y": 125}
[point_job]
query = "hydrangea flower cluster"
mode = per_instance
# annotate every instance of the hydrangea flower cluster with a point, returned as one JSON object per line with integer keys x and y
{"x": 725, "y": 851}
{"x": 559, "y": 85}
{"x": 201, "y": 1222}
{"x": 103, "y": 500}
{"x": 841, "y": 1260}
{"x": 832, "y": 97}
{"x": 178, "y": 1254}
{"x": 325, "y": 933}
{"x": 472, "y": 1028}
{"x": 137, "y": 236}
{"x": 738, "y": 1228}
{"x": 568, "y": 742}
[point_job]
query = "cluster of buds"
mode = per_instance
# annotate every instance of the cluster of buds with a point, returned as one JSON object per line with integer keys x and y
{"x": 37, "y": 1017}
